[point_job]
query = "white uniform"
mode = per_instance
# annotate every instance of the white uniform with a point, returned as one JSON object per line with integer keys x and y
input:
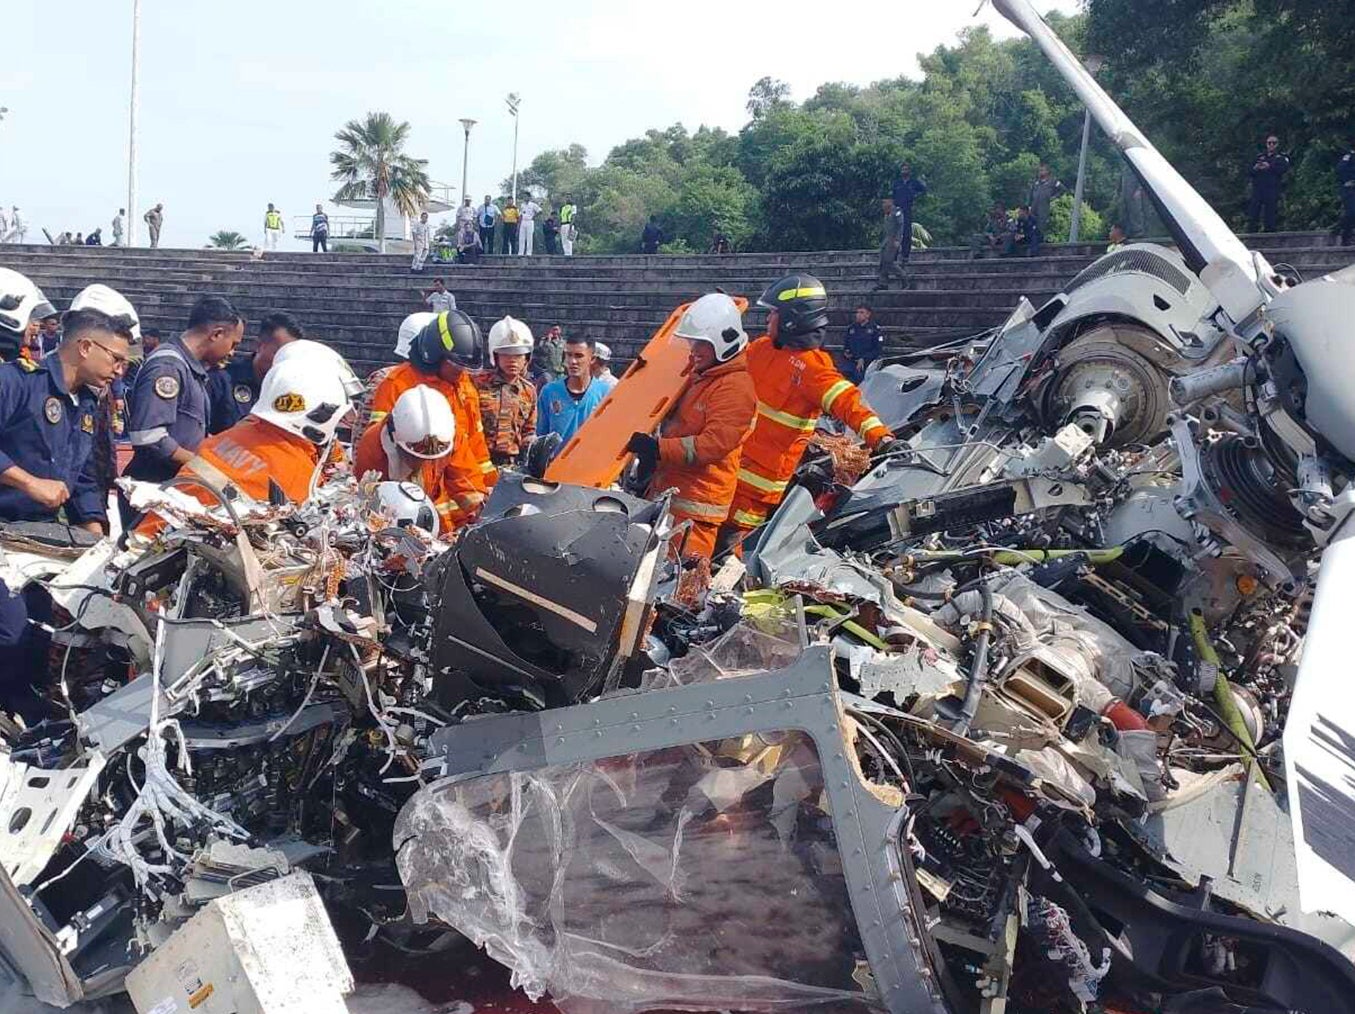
{"x": 17, "y": 228}
{"x": 527, "y": 230}
{"x": 419, "y": 232}
{"x": 440, "y": 302}
{"x": 567, "y": 231}
{"x": 4, "y": 226}
{"x": 118, "y": 230}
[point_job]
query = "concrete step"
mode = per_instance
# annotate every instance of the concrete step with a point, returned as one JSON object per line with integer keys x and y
{"x": 340, "y": 301}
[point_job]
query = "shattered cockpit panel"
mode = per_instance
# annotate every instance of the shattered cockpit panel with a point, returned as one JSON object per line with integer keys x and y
{"x": 657, "y": 880}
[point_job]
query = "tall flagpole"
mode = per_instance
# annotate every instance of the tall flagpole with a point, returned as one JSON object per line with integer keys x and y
{"x": 132, "y": 218}
{"x": 514, "y": 101}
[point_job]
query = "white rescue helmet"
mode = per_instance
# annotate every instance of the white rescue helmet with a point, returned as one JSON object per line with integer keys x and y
{"x": 422, "y": 423}
{"x": 113, "y": 304}
{"x": 305, "y": 395}
{"x": 324, "y": 358}
{"x": 602, "y": 353}
{"x": 510, "y": 335}
{"x": 21, "y": 302}
{"x": 715, "y": 319}
{"x": 409, "y": 327}
{"x": 407, "y": 504}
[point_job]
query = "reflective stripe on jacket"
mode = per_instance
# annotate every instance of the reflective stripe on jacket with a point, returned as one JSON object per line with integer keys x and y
{"x": 701, "y": 440}
{"x": 248, "y": 456}
{"x": 795, "y": 387}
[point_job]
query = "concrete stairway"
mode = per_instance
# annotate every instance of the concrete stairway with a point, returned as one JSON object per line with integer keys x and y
{"x": 356, "y": 301}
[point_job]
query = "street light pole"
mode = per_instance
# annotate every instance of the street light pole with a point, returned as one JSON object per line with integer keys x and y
{"x": 131, "y": 133}
{"x": 465, "y": 156}
{"x": 1093, "y": 65}
{"x": 514, "y": 101}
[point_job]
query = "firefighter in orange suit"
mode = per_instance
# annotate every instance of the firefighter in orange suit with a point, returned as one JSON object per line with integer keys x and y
{"x": 443, "y": 356}
{"x": 414, "y": 443}
{"x": 796, "y": 382}
{"x": 697, "y": 450}
{"x": 276, "y": 450}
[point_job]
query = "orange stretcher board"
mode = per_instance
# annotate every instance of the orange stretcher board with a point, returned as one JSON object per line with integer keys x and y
{"x": 642, "y": 398}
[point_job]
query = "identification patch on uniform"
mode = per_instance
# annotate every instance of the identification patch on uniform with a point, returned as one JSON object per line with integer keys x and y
{"x": 52, "y": 410}
{"x": 289, "y": 402}
{"x": 167, "y": 387}
{"x": 556, "y": 407}
{"x": 87, "y": 423}
{"x": 243, "y": 393}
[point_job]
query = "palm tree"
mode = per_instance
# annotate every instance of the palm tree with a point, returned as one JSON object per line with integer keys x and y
{"x": 227, "y": 240}
{"x": 371, "y": 163}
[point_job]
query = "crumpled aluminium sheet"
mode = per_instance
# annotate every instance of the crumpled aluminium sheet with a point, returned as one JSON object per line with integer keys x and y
{"x": 665, "y": 880}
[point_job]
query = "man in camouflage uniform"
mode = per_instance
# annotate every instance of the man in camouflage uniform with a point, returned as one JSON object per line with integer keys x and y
{"x": 507, "y": 397}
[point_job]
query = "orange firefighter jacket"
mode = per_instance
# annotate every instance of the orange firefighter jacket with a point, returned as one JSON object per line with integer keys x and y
{"x": 795, "y": 387}
{"x": 247, "y": 456}
{"x": 469, "y": 456}
{"x": 700, "y": 441}
{"x": 456, "y": 491}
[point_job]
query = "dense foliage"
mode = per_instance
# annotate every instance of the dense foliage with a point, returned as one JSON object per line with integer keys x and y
{"x": 810, "y": 175}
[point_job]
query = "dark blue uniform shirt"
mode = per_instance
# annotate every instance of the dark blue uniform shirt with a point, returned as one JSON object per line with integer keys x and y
{"x": 168, "y": 411}
{"x": 231, "y": 394}
{"x": 864, "y": 341}
{"x": 905, "y": 192}
{"x": 48, "y": 431}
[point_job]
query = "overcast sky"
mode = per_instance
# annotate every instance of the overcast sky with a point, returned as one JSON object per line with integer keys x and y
{"x": 240, "y": 100}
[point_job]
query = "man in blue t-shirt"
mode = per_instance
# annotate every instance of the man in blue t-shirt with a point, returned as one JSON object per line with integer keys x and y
{"x": 564, "y": 404}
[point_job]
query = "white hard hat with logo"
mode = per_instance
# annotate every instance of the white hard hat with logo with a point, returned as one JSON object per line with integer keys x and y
{"x": 303, "y": 394}
{"x": 716, "y": 320}
{"x": 320, "y": 353}
{"x": 510, "y": 335}
{"x": 422, "y": 423}
{"x": 409, "y": 327}
{"x": 601, "y": 352}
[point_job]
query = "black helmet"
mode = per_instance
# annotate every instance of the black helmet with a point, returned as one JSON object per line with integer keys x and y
{"x": 800, "y": 300}
{"x": 452, "y": 336}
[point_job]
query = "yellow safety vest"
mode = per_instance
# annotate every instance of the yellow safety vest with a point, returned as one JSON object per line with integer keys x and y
{"x": 272, "y": 220}
{"x": 566, "y": 213}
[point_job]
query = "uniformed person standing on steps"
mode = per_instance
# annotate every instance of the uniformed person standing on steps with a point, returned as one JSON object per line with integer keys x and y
{"x": 233, "y": 388}
{"x": 168, "y": 415}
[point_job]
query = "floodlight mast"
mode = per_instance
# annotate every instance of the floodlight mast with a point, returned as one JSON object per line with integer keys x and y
{"x": 1238, "y": 278}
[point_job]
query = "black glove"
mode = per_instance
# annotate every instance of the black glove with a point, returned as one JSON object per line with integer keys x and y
{"x": 646, "y": 450}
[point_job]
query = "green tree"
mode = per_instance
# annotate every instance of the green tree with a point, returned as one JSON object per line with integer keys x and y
{"x": 371, "y": 164}
{"x": 227, "y": 240}
{"x": 1207, "y": 80}
{"x": 766, "y": 95}
{"x": 556, "y": 173}
{"x": 711, "y": 197}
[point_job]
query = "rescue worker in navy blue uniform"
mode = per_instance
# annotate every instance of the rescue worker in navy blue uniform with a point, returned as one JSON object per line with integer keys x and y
{"x": 47, "y": 433}
{"x": 1267, "y": 178}
{"x": 862, "y": 344}
{"x": 906, "y": 190}
{"x": 1345, "y": 182}
{"x": 232, "y": 389}
{"x": 168, "y": 414}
